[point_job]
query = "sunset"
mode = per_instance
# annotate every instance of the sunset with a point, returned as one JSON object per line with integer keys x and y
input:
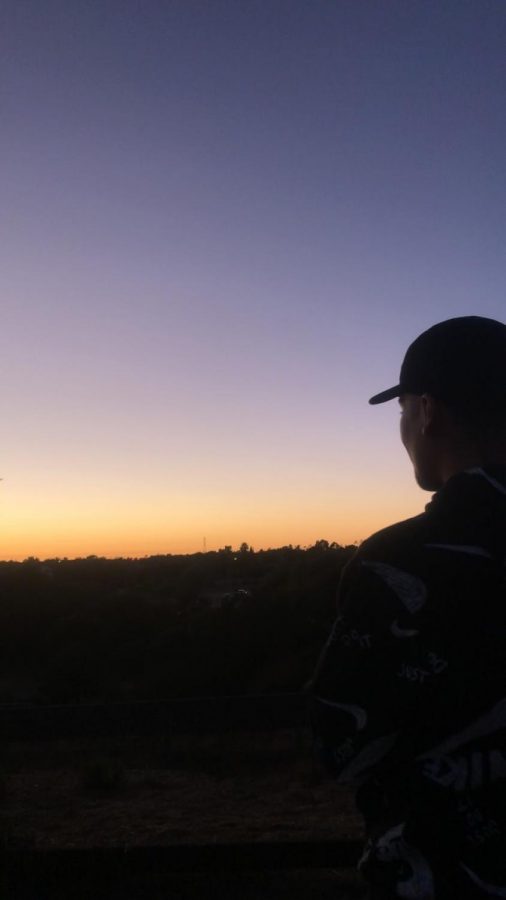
{"x": 223, "y": 225}
{"x": 253, "y": 457}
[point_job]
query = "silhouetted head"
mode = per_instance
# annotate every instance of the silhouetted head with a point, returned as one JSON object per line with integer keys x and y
{"x": 452, "y": 392}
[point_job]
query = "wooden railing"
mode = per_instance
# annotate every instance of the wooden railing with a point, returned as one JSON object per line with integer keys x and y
{"x": 214, "y": 857}
{"x": 268, "y": 712}
{"x": 134, "y": 872}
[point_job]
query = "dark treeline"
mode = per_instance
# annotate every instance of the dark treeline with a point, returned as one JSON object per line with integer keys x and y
{"x": 224, "y": 622}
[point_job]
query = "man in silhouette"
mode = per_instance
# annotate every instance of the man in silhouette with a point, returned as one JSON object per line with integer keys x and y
{"x": 409, "y": 697}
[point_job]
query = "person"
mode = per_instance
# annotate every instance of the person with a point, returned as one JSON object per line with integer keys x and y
{"x": 408, "y": 701}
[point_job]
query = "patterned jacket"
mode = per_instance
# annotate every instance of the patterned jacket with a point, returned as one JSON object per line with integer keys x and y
{"x": 409, "y": 697}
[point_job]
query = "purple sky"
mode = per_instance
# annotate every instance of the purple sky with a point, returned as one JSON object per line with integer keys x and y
{"x": 223, "y": 223}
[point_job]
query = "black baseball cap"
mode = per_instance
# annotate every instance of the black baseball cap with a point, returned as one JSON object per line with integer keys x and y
{"x": 460, "y": 361}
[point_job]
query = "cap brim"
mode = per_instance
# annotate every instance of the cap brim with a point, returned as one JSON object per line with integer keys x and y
{"x": 386, "y": 395}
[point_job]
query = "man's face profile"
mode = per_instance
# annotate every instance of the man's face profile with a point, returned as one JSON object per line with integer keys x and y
{"x": 415, "y": 435}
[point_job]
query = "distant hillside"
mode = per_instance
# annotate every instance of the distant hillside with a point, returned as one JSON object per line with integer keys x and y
{"x": 222, "y": 622}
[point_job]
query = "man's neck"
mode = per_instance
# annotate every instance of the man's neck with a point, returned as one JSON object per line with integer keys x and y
{"x": 462, "y": 461}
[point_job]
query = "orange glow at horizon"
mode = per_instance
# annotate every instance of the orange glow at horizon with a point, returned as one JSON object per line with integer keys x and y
{"x": 79, "y": 525}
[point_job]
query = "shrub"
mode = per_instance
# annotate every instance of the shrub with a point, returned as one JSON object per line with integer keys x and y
{"x": 104, "y": 774}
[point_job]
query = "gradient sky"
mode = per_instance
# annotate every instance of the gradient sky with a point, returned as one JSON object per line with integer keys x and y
{"x": 222, "y": 224}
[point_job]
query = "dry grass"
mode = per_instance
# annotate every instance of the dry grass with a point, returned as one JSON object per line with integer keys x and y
{"x": 192, "y": 790}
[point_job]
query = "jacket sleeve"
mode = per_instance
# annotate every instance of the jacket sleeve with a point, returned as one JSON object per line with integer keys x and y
{"x": 377, "y": 669}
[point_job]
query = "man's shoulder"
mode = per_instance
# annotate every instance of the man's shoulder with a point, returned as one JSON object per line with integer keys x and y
{"x": 396, "y": 542}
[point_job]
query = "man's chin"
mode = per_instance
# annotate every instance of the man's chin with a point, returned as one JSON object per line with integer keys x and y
{"x": 427, "y": 481}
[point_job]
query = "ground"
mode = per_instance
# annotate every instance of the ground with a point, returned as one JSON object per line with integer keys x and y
{"x": 189, "y": 789}
{"x": 186, "y": 790}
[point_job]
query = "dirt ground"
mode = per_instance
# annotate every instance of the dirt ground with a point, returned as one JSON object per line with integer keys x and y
{"x": 139, "y": 792}
{"x": 186, "y": 790}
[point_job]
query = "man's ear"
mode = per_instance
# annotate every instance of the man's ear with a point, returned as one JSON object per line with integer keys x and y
{"x": 429, "y": 414}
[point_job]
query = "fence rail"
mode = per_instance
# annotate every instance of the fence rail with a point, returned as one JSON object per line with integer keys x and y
{"x": 201, "y": 715}
{"x": 102, "y": 861}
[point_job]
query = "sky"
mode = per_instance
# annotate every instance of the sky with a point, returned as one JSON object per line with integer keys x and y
{"x": 223, "y": 223}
